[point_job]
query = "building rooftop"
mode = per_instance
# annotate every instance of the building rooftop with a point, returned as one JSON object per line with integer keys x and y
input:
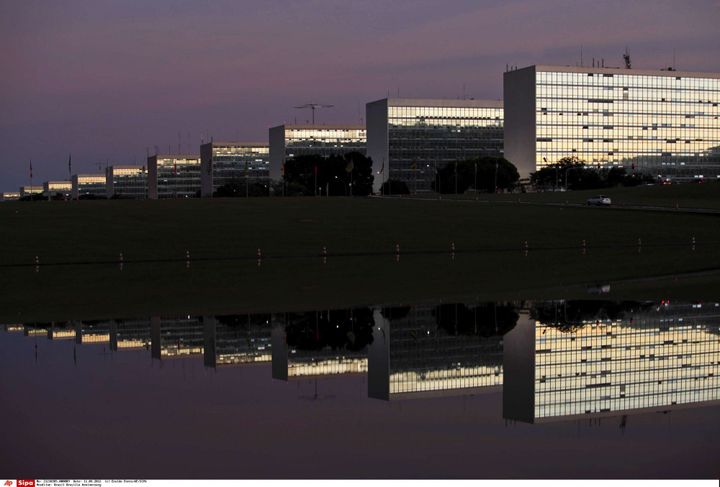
{"x": 442, "y": 102}
{"x": 176, "y": 156}
{"x": 620, "y": 70}
{"x": 317, "y": 126}
{"x": 236, "y": 144}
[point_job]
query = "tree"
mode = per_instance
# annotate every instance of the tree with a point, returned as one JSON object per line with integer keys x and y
{"x": 492, "y": 173}
{"x": 394, "y": 186}
{"x": 240, "y": 188}
{"x": 339, "y": 175}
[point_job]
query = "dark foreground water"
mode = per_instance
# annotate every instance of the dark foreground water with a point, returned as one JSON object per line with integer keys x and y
{"x": 512, "y": 389}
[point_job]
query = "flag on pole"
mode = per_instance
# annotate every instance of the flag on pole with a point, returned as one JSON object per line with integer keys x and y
{"x": 30, "y": 168}
{"x": 175, "y": 168}
{"x": 382, "y": 168}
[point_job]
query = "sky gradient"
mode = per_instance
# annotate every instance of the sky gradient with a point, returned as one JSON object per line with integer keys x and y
{"x": 109, "y": 80}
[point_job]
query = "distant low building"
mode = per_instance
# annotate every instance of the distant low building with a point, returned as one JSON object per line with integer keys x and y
{"x": 126, "y": 182}
{"x": 11, "y": 196}
{"x": 57, "y": 189}
{"x": 173, "y": 176}
{"x": 89, "y": 186}
{"x": 287, "y": 141}
{"x": 241, "y": 163}
{"x": 30, "y": 190}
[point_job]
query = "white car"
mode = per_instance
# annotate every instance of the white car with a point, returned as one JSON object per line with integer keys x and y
{"x": 599, "y": 200}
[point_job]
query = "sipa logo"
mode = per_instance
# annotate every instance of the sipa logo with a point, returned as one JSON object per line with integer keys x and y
{"x": 25, "y": 483}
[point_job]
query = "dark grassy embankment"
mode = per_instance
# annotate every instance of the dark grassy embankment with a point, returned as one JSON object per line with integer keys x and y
{"x": 489, "y": 262}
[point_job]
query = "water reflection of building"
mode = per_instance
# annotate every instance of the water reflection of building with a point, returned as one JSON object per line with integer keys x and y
{"x": 130, "y": 334}
{"x": 92, "y": 332}
{"x": 437, "y": 350}
{"x": 321, "y": 343}
{"x": 176, "y": 337}
{"x": 63, "y": 330}
{"x": 13, "y": 327}
{"x": 36, "y": 329}
{"x": 236, "y": 339}
{"x": 648, "y": 357}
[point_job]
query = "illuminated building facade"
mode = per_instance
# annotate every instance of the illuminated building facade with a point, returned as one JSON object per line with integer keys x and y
{"x": 654, "y": 358}
{"x": 173, "y": 176}
{"x": 61, "y": 331}
{"x": 30, "y": 190}
{"x": 11, "y": 196}
{"x": 240, "y": 163}
{"x": 662, "y": 123}
{"x": 89, "y": 186}
{"x": 411, "y": 356}
{"x": 287, "y": 141}
{"x": 58, "y": 189}
{"x": 410, "y": 139}
{"x": 126, "y": 182}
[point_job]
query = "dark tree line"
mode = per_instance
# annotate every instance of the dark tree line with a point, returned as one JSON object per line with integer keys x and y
{"x": 484, "y": 174}
{"x": 573, "y": 173}
{"x": 340, "y": 175}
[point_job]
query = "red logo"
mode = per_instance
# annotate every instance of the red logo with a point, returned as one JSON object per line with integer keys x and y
{"x": 25, "y": 483}
{"x": 8, "y": 483}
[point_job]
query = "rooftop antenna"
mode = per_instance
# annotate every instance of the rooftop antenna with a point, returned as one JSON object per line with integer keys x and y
{"x": 626, "y": 57}
{"x": 674, "y": 68}
{"x": 313, "y": 107}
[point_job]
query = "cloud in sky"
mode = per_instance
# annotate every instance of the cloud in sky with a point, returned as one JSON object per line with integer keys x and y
{"x": 107, "y": 79}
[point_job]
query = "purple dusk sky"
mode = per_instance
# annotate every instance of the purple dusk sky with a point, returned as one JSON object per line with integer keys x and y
{"x": 105, "y": 80}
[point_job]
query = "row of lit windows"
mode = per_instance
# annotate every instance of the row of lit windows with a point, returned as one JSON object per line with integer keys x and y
{"x": 445, "y": 112}
{"x": 629, "y": 80}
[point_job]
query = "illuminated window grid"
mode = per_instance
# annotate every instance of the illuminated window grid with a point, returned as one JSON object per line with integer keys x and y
{"x": 178, "y": 177}
{"x": 424, "y": 139}
{"x": 234, "y": 163}
{"x": 664, "y": 125}
{"x": 611, "y": 366}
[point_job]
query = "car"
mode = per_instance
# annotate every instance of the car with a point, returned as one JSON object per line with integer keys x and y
{"x": 599, "y": 200}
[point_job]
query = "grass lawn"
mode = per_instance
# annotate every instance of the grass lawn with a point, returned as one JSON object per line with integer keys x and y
{"x": 706, "y": 195}
{"x": 489, "y": 263}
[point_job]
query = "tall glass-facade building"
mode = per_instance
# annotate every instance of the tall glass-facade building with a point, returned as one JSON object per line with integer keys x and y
{"x": 662, "y": 123}
{"x": 410, "y": 139}
{"x": 233, "y": 162}
{"x": 287, "y": 141}
{"x": 89, "y": 186}
{"x": 173, "y": 176}
{"x": 656, "y": 357}
{"x": 126, "y": 182}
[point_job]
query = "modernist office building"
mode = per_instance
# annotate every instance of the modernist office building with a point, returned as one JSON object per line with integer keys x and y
{"x": 11, "y": 196}
{"x": 89, "y": 186}
{"x": 659, "y": 358}
{"x": 57, "y": 189}
{"x": 30, "y": 190}
{"x": 410, "y": 139}
{"x": 233, "y": 162}
{"x": 126, "y": 182}
{"x": 663, "y": 123}
{"x": 173, "y": 176}
{"x": 287, "y": 141}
